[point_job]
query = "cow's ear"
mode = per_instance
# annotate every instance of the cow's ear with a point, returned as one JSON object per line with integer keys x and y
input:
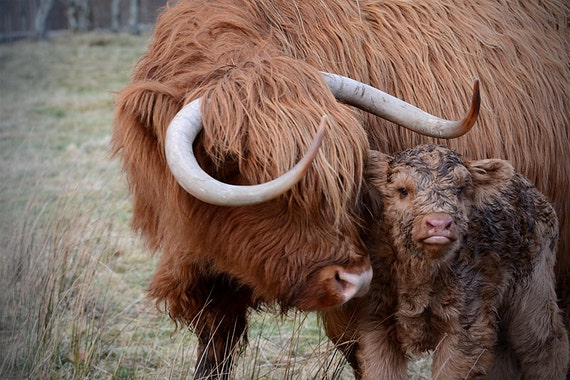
{"x": 490, "y": 172}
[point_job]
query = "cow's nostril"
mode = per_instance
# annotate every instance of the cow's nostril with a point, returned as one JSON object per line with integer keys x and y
{"x": 352, "y": 284}
{"x": 337, "y": 277}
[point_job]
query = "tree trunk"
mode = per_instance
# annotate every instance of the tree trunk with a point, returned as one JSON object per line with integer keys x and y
{"x": 78, "y": 15}
{"x": 40, "y": 23}
{"x": 116, "y": 15}
{"x": 134, "y": 27}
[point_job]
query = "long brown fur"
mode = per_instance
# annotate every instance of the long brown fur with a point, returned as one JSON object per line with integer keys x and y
{"x": 258, "y": 64}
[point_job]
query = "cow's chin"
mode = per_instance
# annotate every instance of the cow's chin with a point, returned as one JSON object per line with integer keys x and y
{"x": 332, "y": 286}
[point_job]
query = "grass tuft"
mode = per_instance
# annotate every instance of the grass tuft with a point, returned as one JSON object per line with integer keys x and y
{"x": 54, "y": 306}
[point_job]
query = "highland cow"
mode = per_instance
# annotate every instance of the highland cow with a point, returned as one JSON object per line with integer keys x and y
{"x": 254, "y": 70}
{"x": 463, "y": 255}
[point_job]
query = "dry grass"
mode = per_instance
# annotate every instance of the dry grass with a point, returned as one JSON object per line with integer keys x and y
{"x": 73, "y": 276}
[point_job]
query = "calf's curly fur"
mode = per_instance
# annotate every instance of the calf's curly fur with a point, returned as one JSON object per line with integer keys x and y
{"x": 463, "y": 253}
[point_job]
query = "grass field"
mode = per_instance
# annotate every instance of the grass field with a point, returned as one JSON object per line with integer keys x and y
{"x": 73, "y": 276}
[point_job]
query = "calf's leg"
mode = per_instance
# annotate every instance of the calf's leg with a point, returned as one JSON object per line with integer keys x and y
{"x": 465, "y": 354}
{"x": 379, "y": 353}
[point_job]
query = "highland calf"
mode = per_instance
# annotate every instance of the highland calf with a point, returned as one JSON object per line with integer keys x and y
{"x": 463, "y": 255}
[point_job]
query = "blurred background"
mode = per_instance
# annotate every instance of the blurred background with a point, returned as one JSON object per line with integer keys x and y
{"x": 37, "y": 18}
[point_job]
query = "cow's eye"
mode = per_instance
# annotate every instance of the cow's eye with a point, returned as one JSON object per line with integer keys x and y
{"x": 403, "y": 192}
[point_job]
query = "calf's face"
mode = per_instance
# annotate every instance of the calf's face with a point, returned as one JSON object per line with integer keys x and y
{"x": 427, "y": 194}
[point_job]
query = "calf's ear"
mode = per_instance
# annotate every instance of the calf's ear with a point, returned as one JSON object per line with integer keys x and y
{"x": 490, "y": 173}
{"x": 375, "y": 177}
{"x": 377, "y": 167}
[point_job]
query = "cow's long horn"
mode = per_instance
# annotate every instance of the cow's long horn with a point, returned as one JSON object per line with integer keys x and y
{"x": 393, "y": 109}
{"x": 180, "y": 136}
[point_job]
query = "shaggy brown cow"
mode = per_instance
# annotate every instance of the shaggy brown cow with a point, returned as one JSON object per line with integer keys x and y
{"x": 258, "y": 65}
{"x": 463, "y": 255}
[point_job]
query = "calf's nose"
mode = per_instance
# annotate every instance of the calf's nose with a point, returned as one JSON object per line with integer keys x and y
{"x": 438, "y": 222}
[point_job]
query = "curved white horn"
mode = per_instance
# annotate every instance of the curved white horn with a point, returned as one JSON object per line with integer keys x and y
{"x": 396, "y": 110}
{"x": 180, "y": 136}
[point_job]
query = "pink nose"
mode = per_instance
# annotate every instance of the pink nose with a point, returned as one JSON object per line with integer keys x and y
{"x": 438, "y": 222}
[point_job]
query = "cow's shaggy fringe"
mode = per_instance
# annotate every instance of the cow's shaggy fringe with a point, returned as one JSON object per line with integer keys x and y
{"x": 268, "y": 125}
